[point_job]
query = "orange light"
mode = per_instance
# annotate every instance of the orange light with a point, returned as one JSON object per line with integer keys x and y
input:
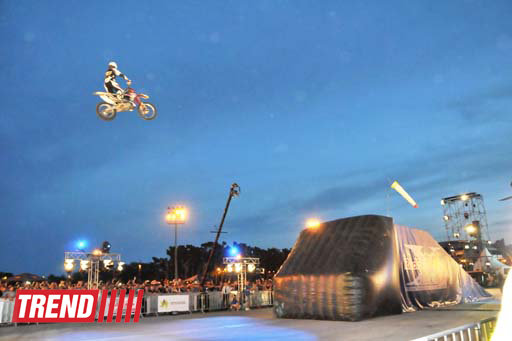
{"x": 170, "y": 217}
{"x": 312, "y": 224}
{"x": 470, "y": 229}
{"x": 177, "y": 215}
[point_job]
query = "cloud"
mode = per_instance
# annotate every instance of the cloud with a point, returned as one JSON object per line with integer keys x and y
{"x": 488, "y": 105}
{"x": 425, "y": 177}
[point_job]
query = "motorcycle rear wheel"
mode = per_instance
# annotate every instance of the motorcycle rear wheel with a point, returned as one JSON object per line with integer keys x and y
{"x": 106, "y": 111}
{"x": 150, "y": 112}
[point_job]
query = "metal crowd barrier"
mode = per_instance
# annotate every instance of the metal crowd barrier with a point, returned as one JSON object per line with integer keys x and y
{"x": 6, "y": 310}
{"x": 480, "y": 331}
{"x": 212, "y": 301}
{"x": 198, "y": 302}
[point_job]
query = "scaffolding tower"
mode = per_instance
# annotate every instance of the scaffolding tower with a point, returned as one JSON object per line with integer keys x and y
{"x": 465, "y": 217}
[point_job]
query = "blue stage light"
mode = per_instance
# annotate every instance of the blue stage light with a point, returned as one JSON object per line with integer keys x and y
{"x": 233, "y": 251}
{"x": 81, "y": 245}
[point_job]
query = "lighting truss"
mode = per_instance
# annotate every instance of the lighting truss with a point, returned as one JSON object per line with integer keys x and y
{"x": 93, "y": 270}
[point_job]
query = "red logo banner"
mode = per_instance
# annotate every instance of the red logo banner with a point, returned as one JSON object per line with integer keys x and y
{"x": 75, "y": 305}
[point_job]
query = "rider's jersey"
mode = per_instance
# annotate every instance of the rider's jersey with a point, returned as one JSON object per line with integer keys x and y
{"x": 111, "y": 74}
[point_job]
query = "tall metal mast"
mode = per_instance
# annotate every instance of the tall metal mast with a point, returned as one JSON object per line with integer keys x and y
{"x": 233, "y": 192}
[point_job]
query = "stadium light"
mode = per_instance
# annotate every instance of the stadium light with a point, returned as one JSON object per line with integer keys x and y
{"x": 176, "y": 215}
{"x": 251, "y": 267}
{"x": 238, "y": 267}
{"x": 230, "y": 267}
{"x": 120, "y": 266}
{"x": 96, "y": 252}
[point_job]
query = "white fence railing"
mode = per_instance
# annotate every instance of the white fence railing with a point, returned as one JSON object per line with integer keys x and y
{"x": 480, "y": 331}
{"x": 6, "y": 309}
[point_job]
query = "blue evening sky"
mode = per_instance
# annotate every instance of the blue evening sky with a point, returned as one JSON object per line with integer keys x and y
{"x": 313, "y": 107}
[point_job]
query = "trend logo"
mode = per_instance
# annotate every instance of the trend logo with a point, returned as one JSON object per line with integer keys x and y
{"x": 76, "y": 306}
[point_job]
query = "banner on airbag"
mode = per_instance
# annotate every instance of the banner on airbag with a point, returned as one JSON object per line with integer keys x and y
{"x": 429, "y": 276}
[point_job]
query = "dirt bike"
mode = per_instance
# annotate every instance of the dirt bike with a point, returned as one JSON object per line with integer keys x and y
{"x": 126, "y": 100}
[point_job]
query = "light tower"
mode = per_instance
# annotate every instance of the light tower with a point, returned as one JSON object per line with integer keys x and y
{"x": 465, "y": 217}
{"x": 90, "y": 262}
{"x": 241, "y": 265}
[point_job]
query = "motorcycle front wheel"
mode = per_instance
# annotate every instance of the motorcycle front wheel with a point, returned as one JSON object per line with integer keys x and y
{"x": 148, "y": 112}
{"x": 106, "y": 111}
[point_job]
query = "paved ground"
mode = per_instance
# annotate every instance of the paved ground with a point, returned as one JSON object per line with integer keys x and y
{"x": 258, "y": 324}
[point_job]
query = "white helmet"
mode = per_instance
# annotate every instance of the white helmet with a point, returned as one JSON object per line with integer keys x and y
{"x": 112, "y": 64}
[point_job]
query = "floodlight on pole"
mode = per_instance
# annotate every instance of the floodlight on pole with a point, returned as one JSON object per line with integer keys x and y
{"x": 176, "y": 215}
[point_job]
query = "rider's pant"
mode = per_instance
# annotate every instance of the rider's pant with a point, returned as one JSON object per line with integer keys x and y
{"x": 112, "y": 87}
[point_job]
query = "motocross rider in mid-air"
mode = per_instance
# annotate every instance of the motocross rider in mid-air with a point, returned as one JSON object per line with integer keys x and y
{"x": 110, "y": 83}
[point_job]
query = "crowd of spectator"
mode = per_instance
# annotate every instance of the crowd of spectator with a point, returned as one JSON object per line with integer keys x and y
{"x": 8, "y": 289}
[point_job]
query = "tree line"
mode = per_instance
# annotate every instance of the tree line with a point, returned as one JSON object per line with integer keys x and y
{"x": 191, "y": 261}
